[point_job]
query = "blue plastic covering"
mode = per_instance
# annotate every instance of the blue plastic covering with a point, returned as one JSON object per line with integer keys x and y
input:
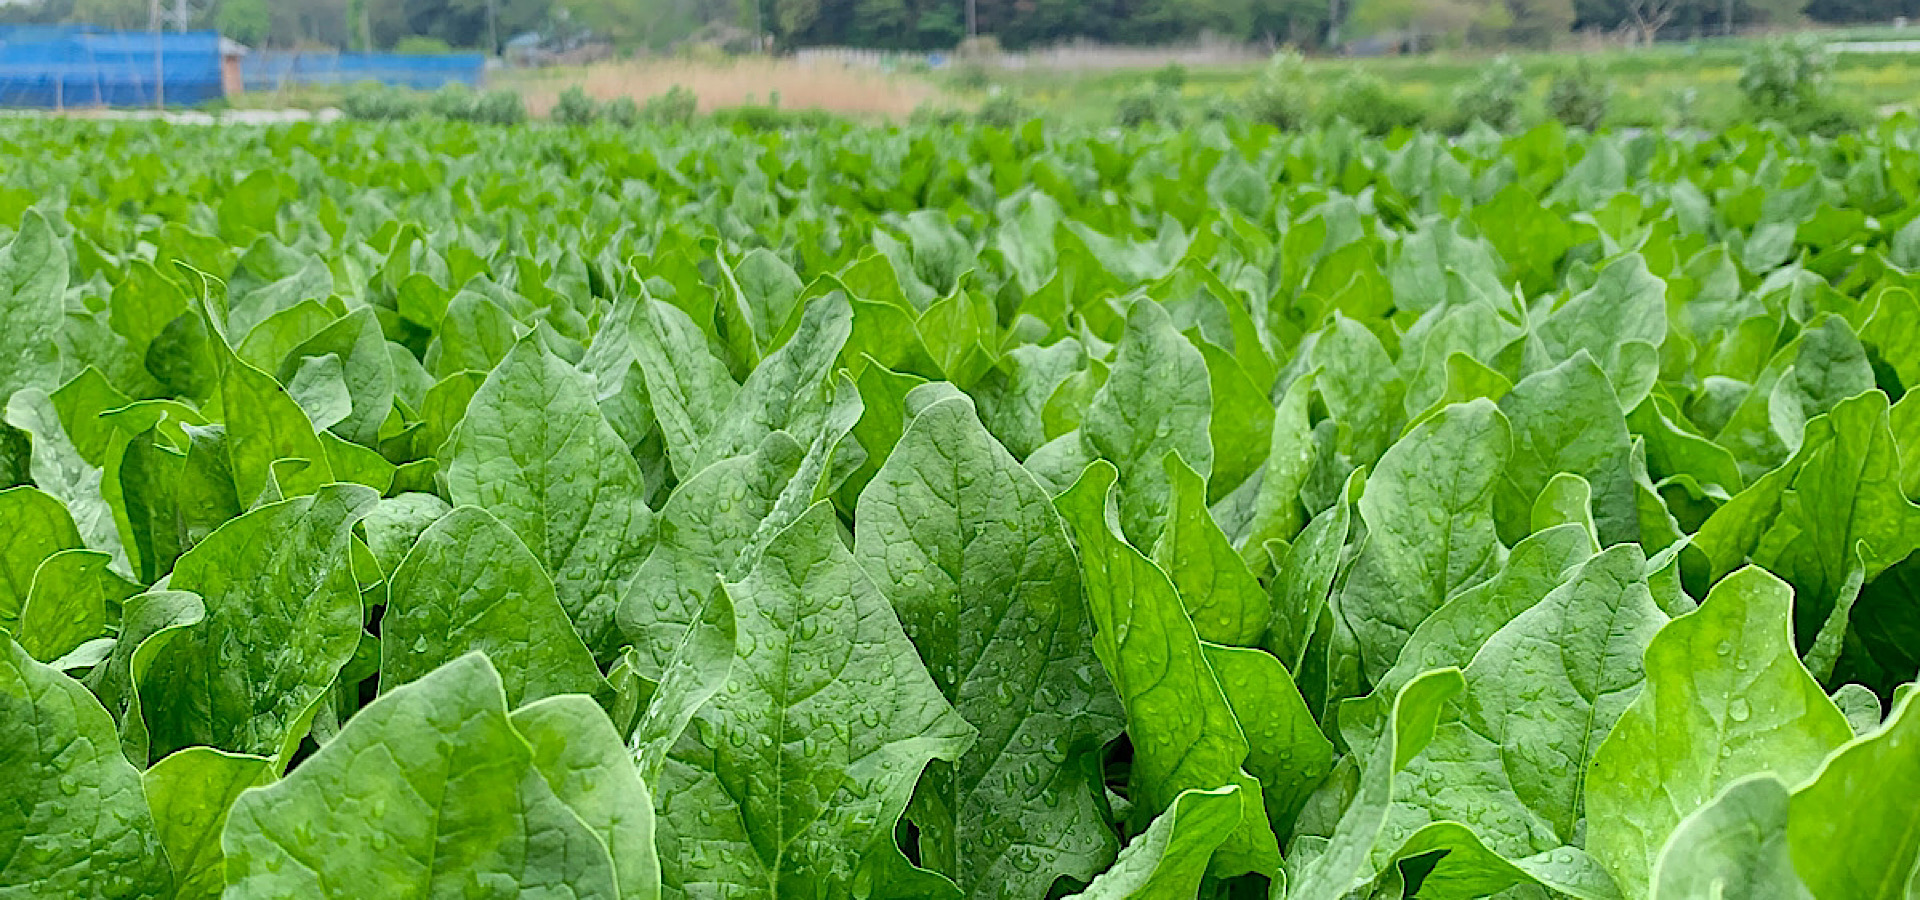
{"x": 266, "y": 71}
{"x": 80, "y": 65}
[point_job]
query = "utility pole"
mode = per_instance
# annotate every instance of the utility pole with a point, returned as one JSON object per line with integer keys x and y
{"x": 973, "y": 18}
{"x": 493, "y": 26}
{"x": 159, "y": 55}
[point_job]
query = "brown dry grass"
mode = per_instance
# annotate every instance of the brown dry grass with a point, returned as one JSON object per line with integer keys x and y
{"x": 834, "y": 88}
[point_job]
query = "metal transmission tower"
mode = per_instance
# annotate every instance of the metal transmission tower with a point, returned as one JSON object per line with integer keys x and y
{"x": 176, "y": 15}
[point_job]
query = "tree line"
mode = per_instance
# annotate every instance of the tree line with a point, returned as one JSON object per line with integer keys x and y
{"x": 926, "y": 25}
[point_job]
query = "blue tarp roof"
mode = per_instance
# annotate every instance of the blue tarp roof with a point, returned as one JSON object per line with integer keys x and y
{"x": 80, "y": 65}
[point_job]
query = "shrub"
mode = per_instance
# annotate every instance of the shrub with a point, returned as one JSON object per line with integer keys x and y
{"x": 1495, "y": 98}
{"x": 575, "y": 108}
{"x": 622, "y": 111}
{"x": 1172, "y": 76}
{"x": 1003, "y": 110}
{"x": 1579, "y": 96}
{"x": 1151, "y": 104}
{"x": 1786, "y": 81}
{"x": 675, "y": 107}
{"x": 928, "y": 115}
{"x": 772, "y": 118}
{"x": 378, "y": 103}
{"x": 500, "y": 108}
{"x": 454, "y": 101}
{"x": 1279, "y": 97}
{"x": 1363, "y": 99}
{"x": 1217, "y": 108}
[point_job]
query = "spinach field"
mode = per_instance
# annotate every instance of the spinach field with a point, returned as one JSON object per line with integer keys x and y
{"x": 435, "y": 510}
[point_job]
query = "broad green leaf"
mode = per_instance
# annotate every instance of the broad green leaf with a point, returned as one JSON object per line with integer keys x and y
{"x": 689, "y": 387}
{"x": 1345, "y": 863}
{"x": 1182, "y": 727}
{"x": 191, "y": 793}
{"x": 397, "y": 522}
{"x": 60, "y": 470}
{"x": 1456, "y": 631}
{"x": 1845, "y": 493}
{"x": 1853, "y": 829}
{"x": 1156, "y": 401}
{"x": 977, "y": 565}
{"x": 535, "y": 452}
{"x": 469, "y": 584}
{"x": 1428, "y": 509}
{"x": 1733, "y": 846}
{"x": 695, "y": 672}
{"x": 1726, "y": 698}
{"x": 1241, "y": 425}
{"x": 706, "y": 525}
{"x": 366, "y": 372}
{"x": 1306, "y": 575}
{"x": 74, "y": 822}
{"x": 37, "y": 526}
{"x": 1285, "y": 747}
{"x": 264, "y": 425}
{"x": 1167, "y": 861}
{"x": 429, "y": 791}
{"x": 1626, "y": 307}
{"x": 804, "y": 763}
{"x": 1566, "y": 419}
{"x": 1221, "y": 595}
{"x": 577, "y": 751}
{"x": 33, "y": 287}
{"x": 282, "y": 616}
{"x": 69, "y": 603}
{"x": 1542, "y": 693}
{"x": 791, "y": 391}
{"x": 1278, "y": 513}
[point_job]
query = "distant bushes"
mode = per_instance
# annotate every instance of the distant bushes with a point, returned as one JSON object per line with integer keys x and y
{"x": 1497, "y": 98}
{"x": 1003, "y": 109}
{"x": 1579, "y": 96}
{"x": 1362, "y": 98}
{"x": 576, "y": 109}
{"x": 376, "y": 102}
{"x": 1787, "y": 81}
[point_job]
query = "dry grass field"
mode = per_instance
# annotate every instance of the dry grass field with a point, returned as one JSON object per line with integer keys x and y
{"x": 835, "y": 88}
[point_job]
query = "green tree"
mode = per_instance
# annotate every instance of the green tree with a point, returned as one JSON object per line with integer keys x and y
{"x": 246, "y": 21}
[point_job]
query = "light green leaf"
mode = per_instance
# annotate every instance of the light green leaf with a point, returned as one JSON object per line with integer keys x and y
{"x": 799, "y": 769}
{"x": 33, "y": 287}
{"x": 1285, "y": 747}
{"x": 1155, "y": 401}
{"x": 577, "y": 751}
{"x": 469, "y": 584}
{"x": 535, "y": 451}
{"x": 695, "y": 672}
{"x": 1854, "y": 829}
{"x": 37, "y": 526}
{"x": 191, "y": 793}
{"x": 1346, "y": 862}
{"x": 282, "y": 616}
{"x": 689, "y": 387}
{"x": 1428, "y": 509}
{"x": 1726, "y": 698}
{"x": 1225, "y": 601}
{"x": 429, "y": 791}
{"x": 1734, "y": 846}
{"x": 68, "y": 604}
{"x": 1167, "y": 861}
{"x": 73, "y": 821}
{"x": 1567, "y": 420}
{"x": 978, "y": 567}
{"x": 1182, "y": 727}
